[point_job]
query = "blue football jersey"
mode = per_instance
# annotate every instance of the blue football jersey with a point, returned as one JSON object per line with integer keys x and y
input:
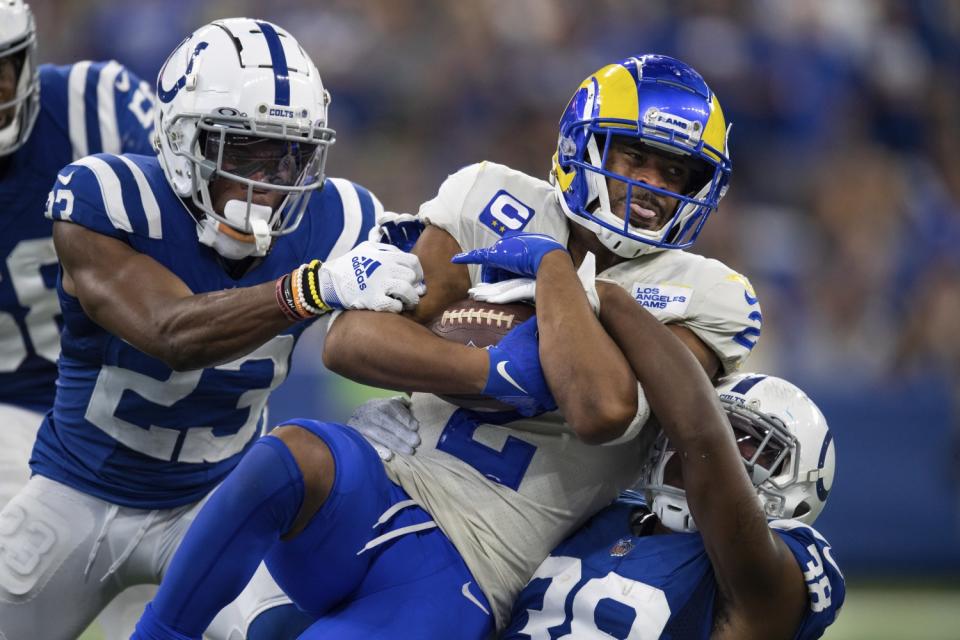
{"x": 84, "y": 108}
{"x": 605, "y": 582}
{"x": 124, "y": 426}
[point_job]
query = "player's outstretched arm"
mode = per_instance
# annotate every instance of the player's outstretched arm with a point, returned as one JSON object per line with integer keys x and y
{"x": 756, "y": 573}
{"x": 397, "y": 351}
{"x": 134, "y": 297}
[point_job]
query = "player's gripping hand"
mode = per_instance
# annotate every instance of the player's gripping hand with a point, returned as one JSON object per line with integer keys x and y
{"x": 387, "y": 424}
{"x": 372, "y": 275}
{"x": 402, "y": 230}
{"x": 515, "y": 376}
{"x": 513, "y": 255}
{"x": 505, "y": 291}
{"x": 525, "y": 289}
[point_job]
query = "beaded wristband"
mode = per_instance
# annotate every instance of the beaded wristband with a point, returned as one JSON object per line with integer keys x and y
{"x": 309, "y": 282}
{"x": 297, "y": 295}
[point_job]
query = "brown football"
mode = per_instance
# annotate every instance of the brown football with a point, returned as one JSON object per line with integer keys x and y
{"x": 479, "y": 324}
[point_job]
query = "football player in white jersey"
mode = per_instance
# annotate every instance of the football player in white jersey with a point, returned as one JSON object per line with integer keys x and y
{"x": 187, "y": 275}
{"x": 641, "y": 162}
{"x": 721, "y": 544}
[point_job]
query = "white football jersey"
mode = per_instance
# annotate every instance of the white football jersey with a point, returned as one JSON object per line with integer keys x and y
{"x": 507, "y": 495}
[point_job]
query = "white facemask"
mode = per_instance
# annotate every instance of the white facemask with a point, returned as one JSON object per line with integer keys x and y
{"x": 10, "y": 133}
{"x": 233, "y": 244}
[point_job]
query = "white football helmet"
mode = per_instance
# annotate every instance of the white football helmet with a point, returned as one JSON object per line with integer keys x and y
{"x": 18, "y": 41}
{"x": 792, "y": 466}
{"x": 240, "y": 100}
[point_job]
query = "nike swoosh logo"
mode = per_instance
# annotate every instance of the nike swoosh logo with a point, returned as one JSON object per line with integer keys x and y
{"x": 65, "y": 180}
{"x": 502, "y": 370}
{"x": 465, "y": 590}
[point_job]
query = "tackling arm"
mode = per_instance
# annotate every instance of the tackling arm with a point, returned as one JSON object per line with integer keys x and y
{"x": 755, "y": 571}
{"x": 134, "y": 297}
{"x": 396, "y": 351}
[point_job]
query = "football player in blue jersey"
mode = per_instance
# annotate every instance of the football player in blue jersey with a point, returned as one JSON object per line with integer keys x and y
{"x": 722, "y": 546}
{"x": 186, "y": 278}
{"x": 49, "y": 116}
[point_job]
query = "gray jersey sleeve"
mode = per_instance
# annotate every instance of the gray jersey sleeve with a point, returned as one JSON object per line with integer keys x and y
{"x": 727, "y": 318}
{"x": 715, "y": 302}
{"x": 445, "y": 210}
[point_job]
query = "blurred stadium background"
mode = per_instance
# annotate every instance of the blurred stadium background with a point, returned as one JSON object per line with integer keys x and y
{"x": 844, "y": 208}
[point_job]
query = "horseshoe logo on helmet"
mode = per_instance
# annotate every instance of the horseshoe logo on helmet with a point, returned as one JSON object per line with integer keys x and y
{"x": 166, "y": 95}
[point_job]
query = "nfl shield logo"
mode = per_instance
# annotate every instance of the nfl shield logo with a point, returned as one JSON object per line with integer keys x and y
{"x": 621, "y": 548}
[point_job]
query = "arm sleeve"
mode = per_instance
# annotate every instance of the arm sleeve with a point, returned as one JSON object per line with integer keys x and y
{"x": 135, "y": 104}
{"x": 88, "y": 193}
{"x": 445, "y": 210}
{"x": 124, "y": 106}
{"x": 825, "y": 584}
{"x": 727, "y": 318}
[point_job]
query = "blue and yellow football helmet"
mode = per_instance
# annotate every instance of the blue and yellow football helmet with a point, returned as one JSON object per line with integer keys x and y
{"x": 665, "y": 104}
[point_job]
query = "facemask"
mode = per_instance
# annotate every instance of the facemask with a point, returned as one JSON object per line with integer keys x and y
{"x": 10, "y": 133}
{"x": 231, "y": 243}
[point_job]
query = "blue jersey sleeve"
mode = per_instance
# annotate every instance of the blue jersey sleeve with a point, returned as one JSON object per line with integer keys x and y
{"x": 825, "y": 584}
{"x": 134, "y": 105}
{"x": 371, "y": 209}
{"x": 340, "y": 217}
{"x": 90, "y": 192}
{"x": 102, "y": 107}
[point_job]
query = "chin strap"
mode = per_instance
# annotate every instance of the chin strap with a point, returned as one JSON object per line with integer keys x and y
{"x": 228, "y": 239}
{"x": 643, "y": 521}
{"x": 261, "y": 236}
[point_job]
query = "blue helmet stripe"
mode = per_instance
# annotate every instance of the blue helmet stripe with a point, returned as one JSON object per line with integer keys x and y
{"x": 281, "y": 74}
{"x": 822, "y": 491}
{"x": 747, "y": 383}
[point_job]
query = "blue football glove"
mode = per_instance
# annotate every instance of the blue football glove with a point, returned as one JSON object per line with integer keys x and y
{"x": 513, "y": 255}
{"x": 516, "y": 377}
{"x": 402, "y": 230}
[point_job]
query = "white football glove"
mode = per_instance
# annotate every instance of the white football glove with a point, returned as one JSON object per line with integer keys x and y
{"x": 505, "y": 291}
{"x": 387, "y": 424}
{"x": 373, "y": 276}
{"x": 525, "y": 289}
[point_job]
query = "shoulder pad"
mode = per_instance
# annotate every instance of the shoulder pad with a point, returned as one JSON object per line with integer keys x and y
{"x": 106, "y": 193}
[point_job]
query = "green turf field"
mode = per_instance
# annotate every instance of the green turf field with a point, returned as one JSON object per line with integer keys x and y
{"x": 882, "y": 612}
{"x": 872, "y": 612}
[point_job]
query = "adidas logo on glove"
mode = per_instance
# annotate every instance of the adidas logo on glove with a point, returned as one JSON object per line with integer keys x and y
{"x": 363, "y": 268}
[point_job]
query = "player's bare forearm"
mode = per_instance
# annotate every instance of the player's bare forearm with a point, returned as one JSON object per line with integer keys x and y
{"x": 395, "y": 352}
{"x": 676, "y": 386}
{"x": 745, "y": 555}
{"x": 588, "y": 375}
{"x": 446, "y": 282}
{"x": 136, "y": 298}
